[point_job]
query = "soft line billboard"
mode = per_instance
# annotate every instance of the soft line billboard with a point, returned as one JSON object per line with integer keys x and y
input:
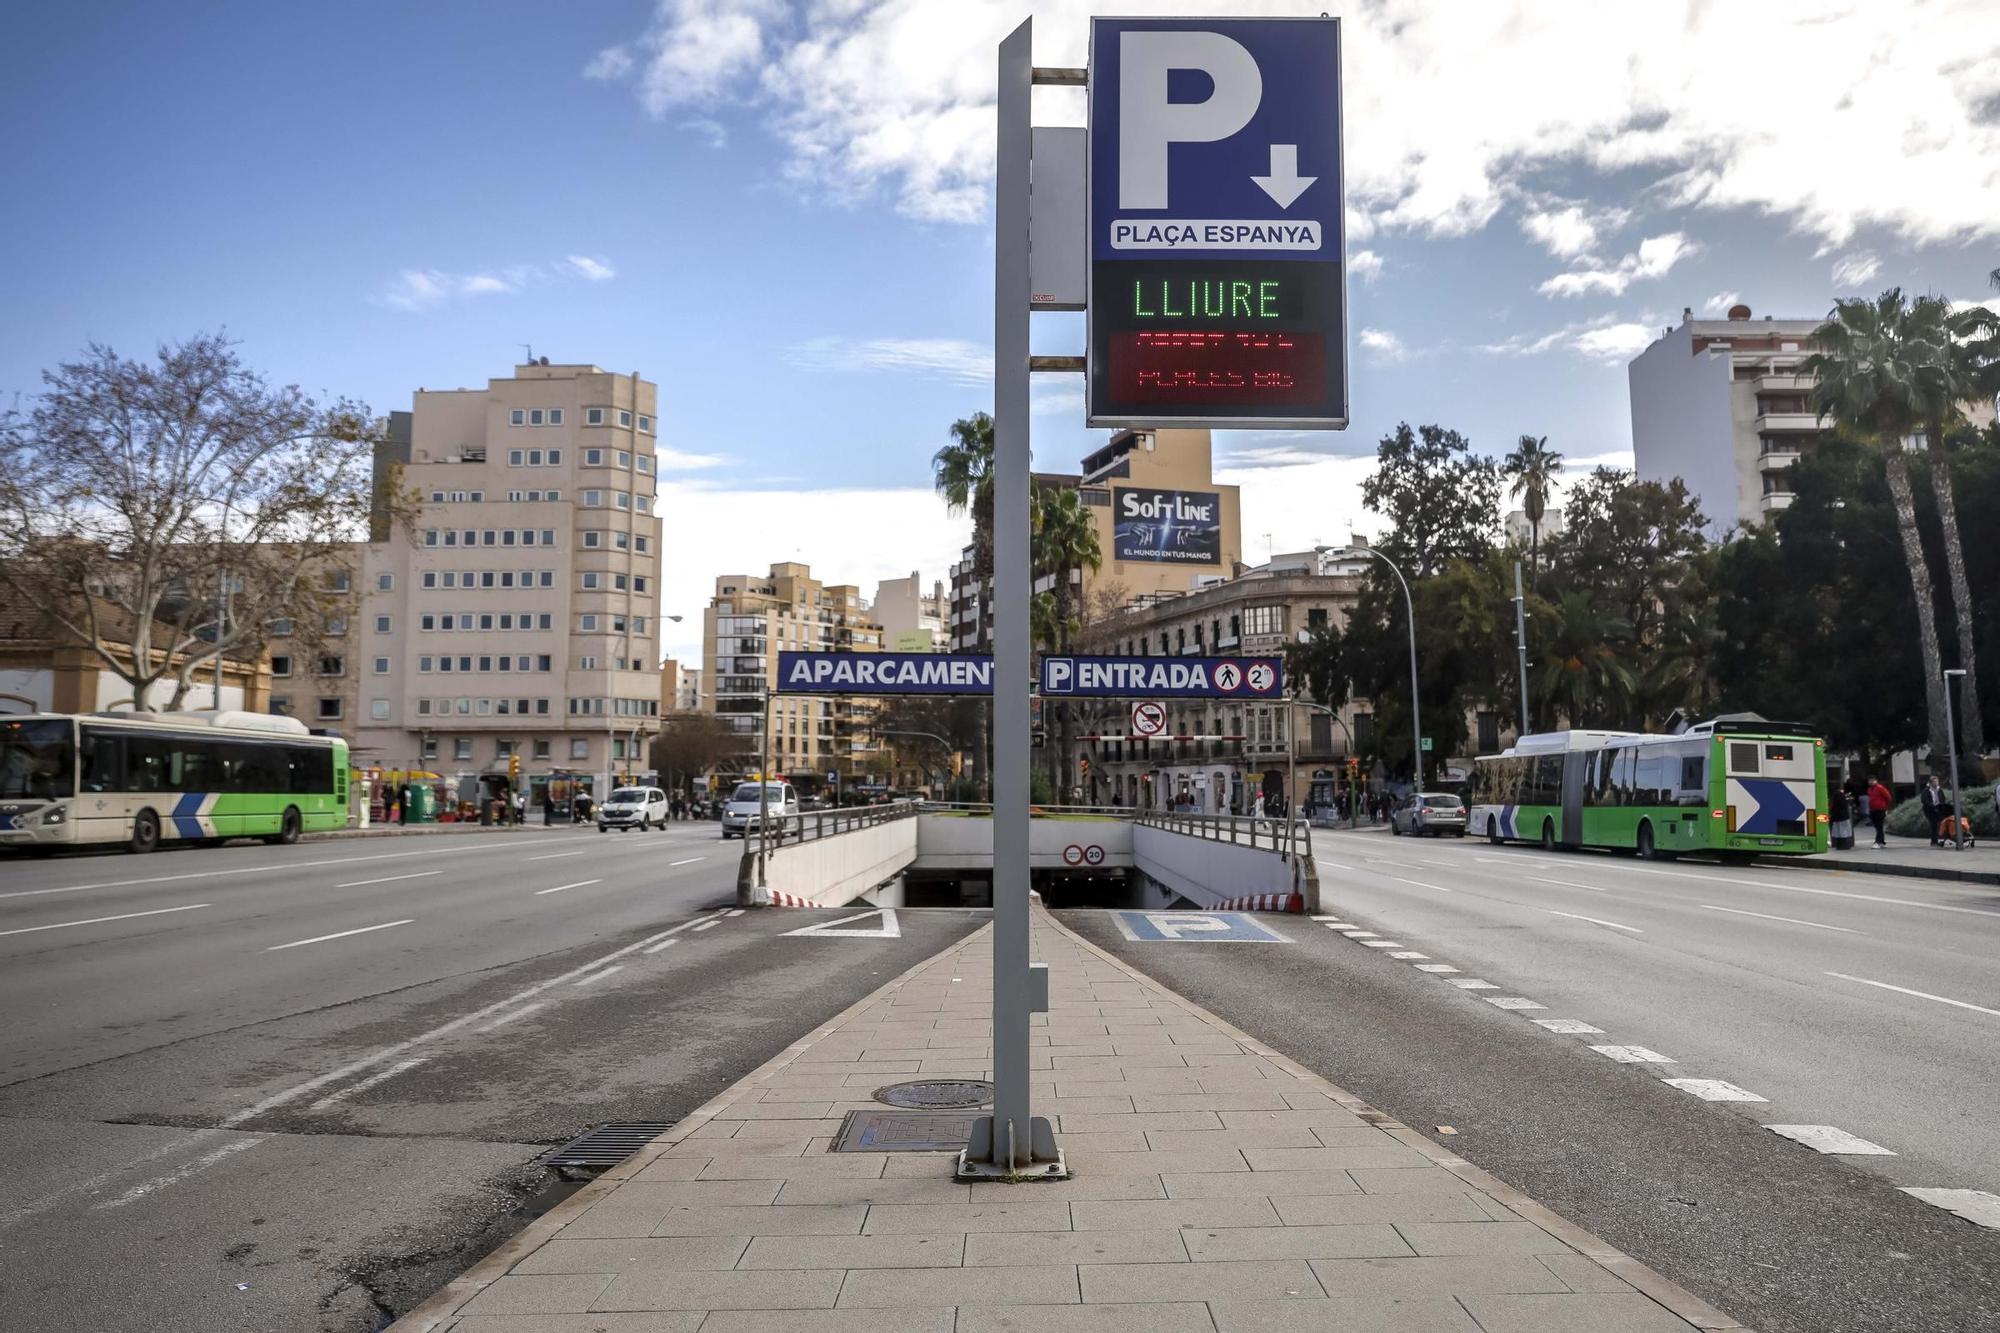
{"x": 1173, "y": 527}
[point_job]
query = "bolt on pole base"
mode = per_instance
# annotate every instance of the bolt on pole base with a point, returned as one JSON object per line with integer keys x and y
{"x": 1042, "y": 1160}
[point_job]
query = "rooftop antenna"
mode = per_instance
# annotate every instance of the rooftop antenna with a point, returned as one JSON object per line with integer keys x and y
{"x": 529, "y": 348}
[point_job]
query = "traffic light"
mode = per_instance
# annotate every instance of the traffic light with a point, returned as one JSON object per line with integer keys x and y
{"x": 514, "y": 769}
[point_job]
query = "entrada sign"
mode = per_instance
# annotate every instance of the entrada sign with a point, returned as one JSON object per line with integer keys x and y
{"x": 1163, "y": 677}
{"x": 884, "y": 673}
{"x": 1217, "y": 290}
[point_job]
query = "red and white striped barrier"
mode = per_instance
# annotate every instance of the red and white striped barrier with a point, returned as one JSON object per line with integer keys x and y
{"x": 1264, "y": 902}
{"x": 787, "y": 900}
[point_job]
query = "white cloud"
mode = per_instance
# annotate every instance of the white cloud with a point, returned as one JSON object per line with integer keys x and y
{"x": 951, "y": 359}
{"x": 1384, "y": 343}
{"x": 1615, "y": 342}
{"x": 1719, "y": 303}
{"x": 1572, "y": 231}
{"x": 1887, "y": 105}
{"x": 1520, "y": 344}
{"x": 609, "y": 65}
{"x": 592, "y": 270}
{"x": 1311, "y": 502}
{"x": 710, "y": 131}
{"x": 1605, "y": 338}
{"x": 1365, "y": 265}
{"x": 1855, "y": 269}
{"x": 483, "y": 284}
{"x": 1654, "y": 257}
{"x": 674, "y": 460}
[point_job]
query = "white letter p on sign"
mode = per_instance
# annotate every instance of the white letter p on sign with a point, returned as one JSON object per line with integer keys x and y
{"x": 1148, "y": 122}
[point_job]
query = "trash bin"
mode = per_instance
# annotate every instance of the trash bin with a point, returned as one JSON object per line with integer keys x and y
{"x": 486, "y": 811}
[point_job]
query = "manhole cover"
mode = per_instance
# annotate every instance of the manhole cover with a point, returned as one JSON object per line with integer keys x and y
{"x": 905, "y": 1131}
{"x": 937, "y": 1093}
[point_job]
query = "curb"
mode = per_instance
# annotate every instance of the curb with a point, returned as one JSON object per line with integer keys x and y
{"x": 1675, "y": 1298}
{"x": 1887, "y": 868}
{"x": 433, "y": 1312}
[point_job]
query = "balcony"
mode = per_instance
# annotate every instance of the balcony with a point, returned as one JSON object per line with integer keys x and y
{"x": 1777, "y": 459}
{"x": 1773, "y": 501}
{"x": 1785, "y": 383}
{"x": 1787, "y": 423}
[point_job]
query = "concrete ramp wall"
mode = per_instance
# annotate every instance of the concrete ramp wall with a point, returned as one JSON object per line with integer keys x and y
{"x": 829, "y": 871}
{"x": 958, "y": 842}
{"x": 1209, "y": 873}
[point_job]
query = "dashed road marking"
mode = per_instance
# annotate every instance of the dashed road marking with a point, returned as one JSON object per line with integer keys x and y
{"x": 580, "y": 884}
{"x": 557, "y": 856}
{"x": 1436, "y": 967}
{"x": 1737, "y": 911}
{"x": 1975, "y": 1206}
{"x": 1713, "y": 1090}
{"x": 1571, "y": 1025}
{"x": 99, "y": 920}
{"x": 174, "y": 1177}
{"x": 522, "y": 1012}
{"x": 690, "y": 861}
{"x": 1824, "y": 893}
{"x": 1473, "y": 983}
{"x": 1511, "y": 1002}
{"x": 597, "y": 976}
{"x": 711, "y": 924}
{"x": 1829, "y": 1139}
{"x": 734, "y": 911}
{"x": 382, "y": 1076}
{"x": 341, "y": 934}
{"x": 387, "y": 879}
{"x": 1634, "y": 1055}
{"x": 1419, "y": 883}
{"x": 1922, "y": 995}
{"x": 1409, "y": 953}
{"x": 1566, "y": 883}
{"x": 1359, "y": 934}
{"x": 1381, "y": 944}
{"x": 663, "y": 944}
{"x": 1595, "y": 921}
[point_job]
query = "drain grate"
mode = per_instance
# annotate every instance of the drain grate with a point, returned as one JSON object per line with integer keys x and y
{"x": 607, "y": 1145}
{"x": 937, "y": 1094}
{"x": 905, "y": 1131}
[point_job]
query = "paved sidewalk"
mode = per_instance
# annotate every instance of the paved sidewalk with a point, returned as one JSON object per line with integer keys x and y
{"x": 1913, "y": 856}
{"x": 1219, "y": 1188}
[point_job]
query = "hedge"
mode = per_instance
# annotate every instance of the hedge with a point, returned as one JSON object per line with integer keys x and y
{"x": 1907, "y": 819}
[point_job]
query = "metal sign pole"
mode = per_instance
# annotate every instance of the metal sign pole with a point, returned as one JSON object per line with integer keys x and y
{"x": 1521, "y": 644}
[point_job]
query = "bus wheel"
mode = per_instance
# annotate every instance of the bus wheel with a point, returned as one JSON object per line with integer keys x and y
{"x": 145, "y": 831}
{"x": 1493, "y": 830}
{"x": 1647, "y": 852}
{"x": 1548, "y": 835}
{"x": 288, "y": 828}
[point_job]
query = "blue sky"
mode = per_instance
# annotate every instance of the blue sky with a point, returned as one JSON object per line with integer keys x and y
{"x": 778, "y": 213}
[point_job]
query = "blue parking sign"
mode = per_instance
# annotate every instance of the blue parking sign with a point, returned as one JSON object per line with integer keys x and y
{"x": 1195, "y": 928}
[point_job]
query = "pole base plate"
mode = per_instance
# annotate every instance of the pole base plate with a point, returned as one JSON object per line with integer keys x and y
{"x": 1043, "y": 1160}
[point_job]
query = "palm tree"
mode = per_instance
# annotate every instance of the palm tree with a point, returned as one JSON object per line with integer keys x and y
{"x": 1969, "y": 341}
{"x": 1882, "y": 379}
{"x": 962, "y": 471}
{"x": 1533, "y": 467}
{"x": 1064, "y": 542}
{"x": 1584, "y": 676}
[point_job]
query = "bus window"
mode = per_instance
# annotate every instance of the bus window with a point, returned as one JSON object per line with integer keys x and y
{"x": 1692, "y": 789}
{"x": 103, "y": 761}
{"x": 1624, "y": 761}
{"x": 1743, "y": 759}
{"x": 1649, "y": 784}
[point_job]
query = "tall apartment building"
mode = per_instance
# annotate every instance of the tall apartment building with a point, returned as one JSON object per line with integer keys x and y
{"x": 912, "y": 620}
{"x": 680, "y": 687}
{"x": 518, "y": 615}
{"x": 753, "y": 618}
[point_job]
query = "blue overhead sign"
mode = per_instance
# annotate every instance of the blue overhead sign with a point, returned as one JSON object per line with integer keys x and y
{"x": 1163, "y": 677}
{"x": 884, "y": 673}
{"x": 1217, "y": 289}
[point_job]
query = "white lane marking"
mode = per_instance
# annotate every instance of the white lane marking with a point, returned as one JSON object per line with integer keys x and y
{"x": 888, "y": 930}
{"x": 1824, "y": 893}
{"x": 1419, "y": 883}
{"x": 1829, "y": 1139}
{"x": 1713, "y": 1090}
{"x": 380, "y": 1076}
{"x": 388, "y": 879}
{"x": 1332, "y": 865}
{"x": 340, "y": 934}
{"x": 1473, "y": 983}
{"x": 1435, "y": 967}
{"x": 1511, "y": 1002}
{"x": 1359, "y": 934}
{"x": 1976, "y": 1206}
{"x": 734, "y": 911}
{"x": 1593, "y": 920}
{"x": 1405, "y": 865}
{"x": 709, "y": 924}
{"x": 180, "y": 1173}
{"x": 287, "y": 868}
{"x": 1737, "y": 911}
{"x": 1324, "y": 918}
{"x": 1566, "y": 883}
{"x": 1922, "y": 995}
{"x": 1409, "y": 953}
{"x": 522, "y": 1012}
{"x": 1634, "y": 1055}
{"x": 97, "y": 920}
{"x": 1518, "y": 860}
{"x": 1572, "y": 1025}
{"x": 1381, "y": 944}
{"x": 557, "y": 856}
{"x": 580, "y": 884}
{"x": 690, "y": 861}
{"x": 663, "y": 944}
{"x": 596, "y": 976}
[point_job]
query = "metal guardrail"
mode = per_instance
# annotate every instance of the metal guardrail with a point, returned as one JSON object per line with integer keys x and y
{"x": 1275, "y": 835}
{"x": 812, "y": 825}
{"x": 982, "y": 808}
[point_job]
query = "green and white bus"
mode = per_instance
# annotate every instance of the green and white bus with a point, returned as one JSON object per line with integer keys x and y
{"x": 1737, "y": 786}
{"x": 140, "y": 778}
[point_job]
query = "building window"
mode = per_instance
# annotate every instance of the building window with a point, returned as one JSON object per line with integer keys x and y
{"x": 593, "y": 458}
{"x": 515, "y": 458}
{"x": 534, "y": 458}
{"x": 378, "y": 709}
{"x": 424, "y": 665}
{"x": 640, "y": 544}
{"x": 624, "y": 418}
{"x": 505, "y": 746}
{"x": 585, "y": 624}
{"x": 587, "y": 663}
{"x": 381, "y": 666}
{"x": 644, "y": 463}
{"x": 590, "y": 580}
{"x": 332, "y": 665}
{"x": 638, "y": 583}
{"x": 544, "y": 662}
{"x": 385, "y": 582}
{"x": 624, "y": 499}
{"x": 555, "y": 416}
{"x": 336, "y": 625}
{"x": 535, "y": 416}
{"x": 593, "y": 499}
{"x": 579, "y": 748}
{"x": 1264, "y": 620}
{"x": 646, "y": 424}
{"x": 336, "y": 580}
{"x": 593, "y": 416}
{"x": 516, "y": 417}
{"x": 546, "y": 620}
{"x": 592, "y": 540}
{"x": 643, "y": 503}
{"x": 281, "y": 665}
{"x": 329, "y": 709}
{"x": 423, "y": 708}
{"x": 541, "y": 747}
{"x": 461, "y": 748}
{"x": 382, "y": 624}
{"x": 624, "y": 459}
{"x": 548, "y": 536}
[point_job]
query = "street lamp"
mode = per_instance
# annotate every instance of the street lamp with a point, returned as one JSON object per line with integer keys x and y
{"x": 1951, "y": 744}
{"x": 1410, "y": 613}
{"x": 1353, "y": 801}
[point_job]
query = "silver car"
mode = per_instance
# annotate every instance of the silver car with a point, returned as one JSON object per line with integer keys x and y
{"x": 1434, "y": 812}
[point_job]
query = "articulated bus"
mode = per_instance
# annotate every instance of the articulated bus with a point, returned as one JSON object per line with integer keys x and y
{"x": 139, "y": 778}
{"x": 1738, "y": 786}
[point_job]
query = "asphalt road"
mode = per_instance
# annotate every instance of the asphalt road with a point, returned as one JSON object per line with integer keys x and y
{"x": 1776, "y": 981}
{"x": 299, "y": 1088}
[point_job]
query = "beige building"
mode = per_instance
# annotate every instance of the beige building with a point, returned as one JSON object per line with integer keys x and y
{"x": 680, "y": 687}
{"x": 750, "y": 621}
{"x": 519, "y": 614}
{"x": 912, "y": 620}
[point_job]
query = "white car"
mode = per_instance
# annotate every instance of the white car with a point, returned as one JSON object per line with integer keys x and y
{"x": 740, "y": 812}
{"x": 628, "y": 808}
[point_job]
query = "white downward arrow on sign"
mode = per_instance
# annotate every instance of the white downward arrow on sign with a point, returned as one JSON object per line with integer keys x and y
{"x": 1284, "y": 184}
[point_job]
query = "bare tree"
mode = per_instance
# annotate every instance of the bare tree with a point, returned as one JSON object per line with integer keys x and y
{"x": 691, "y": 744}
{"x": 138, "y": 498}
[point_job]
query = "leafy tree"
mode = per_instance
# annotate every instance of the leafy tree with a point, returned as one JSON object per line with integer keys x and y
{"x": 962, "y": 472}
{"x": 1531, "y": 469}
{"x": 1316, "y": 668}
{"x": 1440, "y": 498}
{"x": 133, "y": 491}
{"x": 1970, "y": 344}
{"x": 1584, "y": 673}
{"x": 1063, "y": 544}
{"x": 690, "y": 745}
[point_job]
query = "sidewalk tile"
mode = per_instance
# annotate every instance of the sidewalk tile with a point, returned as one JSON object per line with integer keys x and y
{"x": 1583, "y": 1273}
{"x": 736, "y": 1290}
{"x": 926, "y": 1219}
{"x": 793, "y": 1146}
{"x": 1078, "y": 1123}
{"x": 844, "y": 1166}
{"x": 1360, "y": 1240}
{"x": 1407, "y": 1180}
{"x": 1327, "y": 1118}
{"x": 661, "y": 1321}
{"x": 1105, "y": 1141}
{"x": 783, "y": 1129}
{"x": 1076, "y": 1187}
{"x": 1589, "y": 1313}
{"x": 568, "y": 1293}
{"x": 1345, "y": 1314}
{"x": 1384, "y": 1151}
{"x": 1180, "y": 1140}
{"x": 1074, "y": 1247}
{"x": 881, "y": 1288}
{"x": 865, "y": 1251}
{"x": 920, "y": 1166}
{"x": 940, "y": 1188}
{"x": 1156, "y": 1163}
{"x": 775, "y": 1111}
{"x": 1347, "y": 1209}
{"x": 1156, "y": 1060}
{"x": 1241, "y": 1096}
{"x": 1256, "y": 1280}
{"x": 1250, "y": 1184}
{"x": 748, "y": 1221}
{"x": 1435, "y": 1277}
{"x": 1480, "y": 1238}
{"x": 615, "y": 1256}
{"x": 674, "y": 1164}
{"x": 823, "y": 1321}
{"x": 1170, "y": 1214}
{"x": 1187, "y": 1318}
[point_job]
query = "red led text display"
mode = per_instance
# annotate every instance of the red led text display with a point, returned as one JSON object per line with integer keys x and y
{"x": 1204, "y": 368}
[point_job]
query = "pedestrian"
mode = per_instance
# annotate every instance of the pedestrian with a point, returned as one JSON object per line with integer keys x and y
{"x": 548, "y": 806}
{"x": 1840, "y": 819}
{"x": 1937, "y": 808}
{"x": 1879, "y": 800}
{"x": 520, "y": 807}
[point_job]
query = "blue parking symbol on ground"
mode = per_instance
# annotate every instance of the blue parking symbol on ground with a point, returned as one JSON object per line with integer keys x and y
{"x": 1195, "y": 928}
